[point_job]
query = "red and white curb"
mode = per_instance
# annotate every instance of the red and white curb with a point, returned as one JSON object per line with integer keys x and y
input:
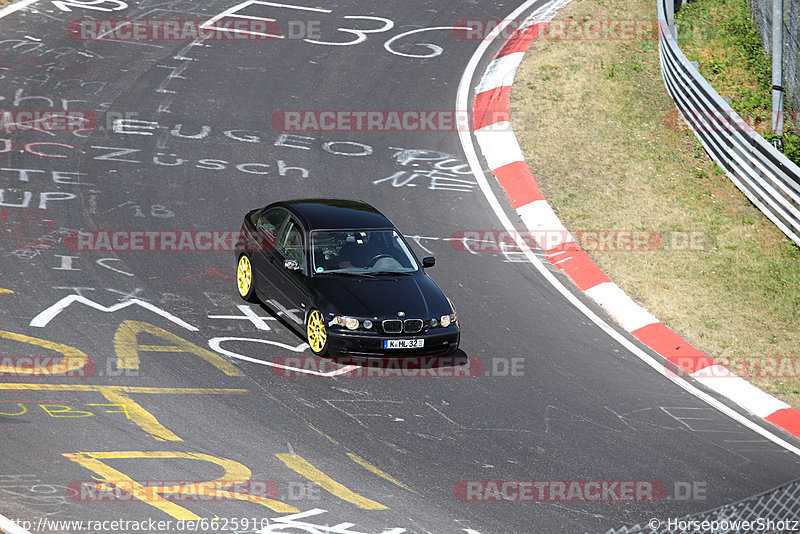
{"x": 495, "y": 136}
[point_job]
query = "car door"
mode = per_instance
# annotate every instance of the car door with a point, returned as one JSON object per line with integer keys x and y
{"x": 293, "y": 297}
{"x": 268, "y": 227}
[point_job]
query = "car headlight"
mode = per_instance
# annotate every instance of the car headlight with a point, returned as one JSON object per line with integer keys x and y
{"x": 351, "y": 323}
{"x": 454, "y": 315}
{"x": 445, "y": 321}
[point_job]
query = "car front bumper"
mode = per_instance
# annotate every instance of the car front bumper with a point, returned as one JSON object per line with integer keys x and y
{"x": 439, "y": 342}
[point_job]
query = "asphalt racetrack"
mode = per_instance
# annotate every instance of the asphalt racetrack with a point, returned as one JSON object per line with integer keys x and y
{"x": 185, "y": 140}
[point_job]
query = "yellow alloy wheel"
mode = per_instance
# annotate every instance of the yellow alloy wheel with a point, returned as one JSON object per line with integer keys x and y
{"x": 316, "y": 332}
{"x": 244, "y": 276}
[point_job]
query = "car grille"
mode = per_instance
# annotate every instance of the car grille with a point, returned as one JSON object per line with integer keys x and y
{"x": 409, "y": 326}
{"x": 392, "y": 326}
{"x": 412, "y": 326}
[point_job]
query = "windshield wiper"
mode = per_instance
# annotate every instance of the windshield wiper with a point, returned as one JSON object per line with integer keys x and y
{"x": 369, "y": 274}
{"x": 387, "y": 273}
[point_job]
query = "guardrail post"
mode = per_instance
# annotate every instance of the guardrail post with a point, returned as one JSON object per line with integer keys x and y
{"x": 777, "y": 67}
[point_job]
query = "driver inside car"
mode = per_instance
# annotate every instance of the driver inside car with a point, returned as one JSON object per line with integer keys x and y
{"x": 357, "y": 251}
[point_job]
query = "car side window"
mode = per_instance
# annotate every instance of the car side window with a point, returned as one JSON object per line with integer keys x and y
{"x": 271, "y": 221}
{"x": 291, "y": 242}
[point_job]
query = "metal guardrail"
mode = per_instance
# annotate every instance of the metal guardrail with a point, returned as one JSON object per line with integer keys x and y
{"x": 775, "y": 510}
{"x": 769, "y": 179}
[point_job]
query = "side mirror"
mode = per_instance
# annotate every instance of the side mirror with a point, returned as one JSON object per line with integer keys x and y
{"x": 292, "y": 265}
{"x": 428, "y": 261}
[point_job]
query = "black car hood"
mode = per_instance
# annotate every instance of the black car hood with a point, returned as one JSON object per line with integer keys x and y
{"x": 382, "y": 297}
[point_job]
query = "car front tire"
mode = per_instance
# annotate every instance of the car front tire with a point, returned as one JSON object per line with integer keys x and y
{"x": 316, "y": 333}
{"x": 245, "y": 282}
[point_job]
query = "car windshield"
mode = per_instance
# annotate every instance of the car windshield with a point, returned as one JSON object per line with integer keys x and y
{"x": 367, "y": 252}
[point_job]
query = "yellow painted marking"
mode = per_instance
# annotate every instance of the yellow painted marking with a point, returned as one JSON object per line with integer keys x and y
{"x": 22, "y": 407}
{"x": 5, "y": 291}
{"x": 62, "y": 410}
{"x": 123, "y": 408}
{"x": 116, "y": 395}
{"x": 73, "y": 358}
{"x": 235, "y": 473}
{"x": 90, "y": 461}
{"x": 301, "y": 466}
{"x": 27, "y": 386}
{"x": 320, "y": 432}
{"x": 139, "y": 415}
{"x": 127, "y": 347}
{"x": 371, "y": 468}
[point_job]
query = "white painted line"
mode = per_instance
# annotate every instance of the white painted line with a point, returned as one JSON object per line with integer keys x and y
{"x": 462, "y": 102}
{"x": 208, "y": 26}
{"x": 290, "y": 6}
{"x": 231, "y": 12}
{"x": 247, "y": 315}
{"x": 499, "y": 144}
{"x": 616, "y": 302}
{"x": 12, "y": 8}
{"x": 9, "y": 527}
{"x": 388, "y": 45}
{"x": 253, "y": 17}
{"x": 44, "y": 317}
{"x": 215, "y": 344}
{"x": 501, "y": 72}
{"x": 739, "y": 391}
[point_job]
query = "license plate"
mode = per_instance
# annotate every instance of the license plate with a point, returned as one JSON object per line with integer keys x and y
{"x": 403, "y": 343}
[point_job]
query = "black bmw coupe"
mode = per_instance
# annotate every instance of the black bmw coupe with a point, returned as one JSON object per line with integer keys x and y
{"x": 343, "y": 275}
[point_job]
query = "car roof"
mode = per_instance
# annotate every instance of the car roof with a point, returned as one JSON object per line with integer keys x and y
{"x": 335, "y": 213}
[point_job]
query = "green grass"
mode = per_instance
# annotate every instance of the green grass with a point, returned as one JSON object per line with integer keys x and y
{"x": 610, "y": 154}
{"x": 723, "y": 38}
